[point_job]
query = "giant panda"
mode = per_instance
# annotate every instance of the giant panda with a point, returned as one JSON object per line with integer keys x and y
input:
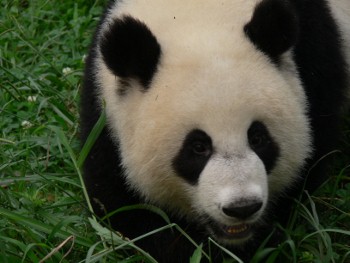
{"x": 218, "y": 112}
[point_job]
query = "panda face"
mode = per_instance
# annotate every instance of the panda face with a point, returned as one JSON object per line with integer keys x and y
{"x": 209, "y": 118}
{"x": 240, "y": 176}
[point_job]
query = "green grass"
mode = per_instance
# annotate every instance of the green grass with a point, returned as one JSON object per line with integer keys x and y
{"x": 43, "y": 212}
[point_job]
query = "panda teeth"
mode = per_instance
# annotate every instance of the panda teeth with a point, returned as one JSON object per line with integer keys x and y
{"x": 236, "y": 229}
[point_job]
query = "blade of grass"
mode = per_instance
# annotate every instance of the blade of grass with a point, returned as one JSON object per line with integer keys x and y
{"x": 22, "y": 247}
{"x": 197, "y": 255}
{"x": 95, "y": 132}
{"x": 148, "y": 207}
{"x": 42, "y": 227}
{"x": 63, "y": 139}
{"x": 228, "y": 252}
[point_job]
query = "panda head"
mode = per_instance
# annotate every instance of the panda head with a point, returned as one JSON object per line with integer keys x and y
{"x": 206, "y": 105}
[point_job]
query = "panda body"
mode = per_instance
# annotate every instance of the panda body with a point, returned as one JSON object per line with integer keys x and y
{"x": 216, "y": 111}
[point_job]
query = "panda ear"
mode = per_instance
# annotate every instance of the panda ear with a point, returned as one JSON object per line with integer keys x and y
{"x": 274, "y": 27}
{"x": 130, "y": 50}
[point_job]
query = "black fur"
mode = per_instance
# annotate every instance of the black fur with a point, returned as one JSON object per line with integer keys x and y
{"x": 317, "y": 50}
{"x": 130, "y": 50}
{"x": 273, "y": 27}
{"x": 189, "y": 163}
{"x": 322, "y": 68}
{"x": 263, "y": 144}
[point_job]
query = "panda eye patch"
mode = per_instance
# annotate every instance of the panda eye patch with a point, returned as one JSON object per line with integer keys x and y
{"x": 193, "y": 155}
{"x": 258, "y": 136}
{"x": 261, "y": 142}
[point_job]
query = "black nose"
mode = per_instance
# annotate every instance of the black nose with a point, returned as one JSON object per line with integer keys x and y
{"x": 242, "y": 210}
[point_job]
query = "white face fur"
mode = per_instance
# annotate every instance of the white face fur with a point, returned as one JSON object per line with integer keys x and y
{"x": 211, "y": 78}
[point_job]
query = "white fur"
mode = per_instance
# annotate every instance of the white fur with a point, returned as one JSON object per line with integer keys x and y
{"x": 237, "y": 176}
{"x": 210, "y": 77}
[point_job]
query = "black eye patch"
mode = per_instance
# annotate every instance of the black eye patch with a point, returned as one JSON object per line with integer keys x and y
{"x": 261, "y": 142}
{"x": 193, "y": 155}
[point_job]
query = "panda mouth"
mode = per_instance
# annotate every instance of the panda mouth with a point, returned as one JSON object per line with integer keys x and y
{"x": 236, "y": 233}
{"x": 236, "y": 230}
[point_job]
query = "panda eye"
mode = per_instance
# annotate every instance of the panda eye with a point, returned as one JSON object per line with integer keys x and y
{"x": 258, "y": 136}
{"x": 200, "y": 148}
{"x": 258, "y": 140}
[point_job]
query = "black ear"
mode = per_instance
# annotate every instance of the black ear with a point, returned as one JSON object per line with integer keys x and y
{"x": 274, "y": 27}
{"x": 130, "y": 50}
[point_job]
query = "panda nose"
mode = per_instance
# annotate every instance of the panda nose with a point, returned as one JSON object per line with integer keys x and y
{"x": 242, "y": 211}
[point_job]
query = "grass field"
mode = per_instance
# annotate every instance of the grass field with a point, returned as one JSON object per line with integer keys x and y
{"x": 43, "y": 213}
